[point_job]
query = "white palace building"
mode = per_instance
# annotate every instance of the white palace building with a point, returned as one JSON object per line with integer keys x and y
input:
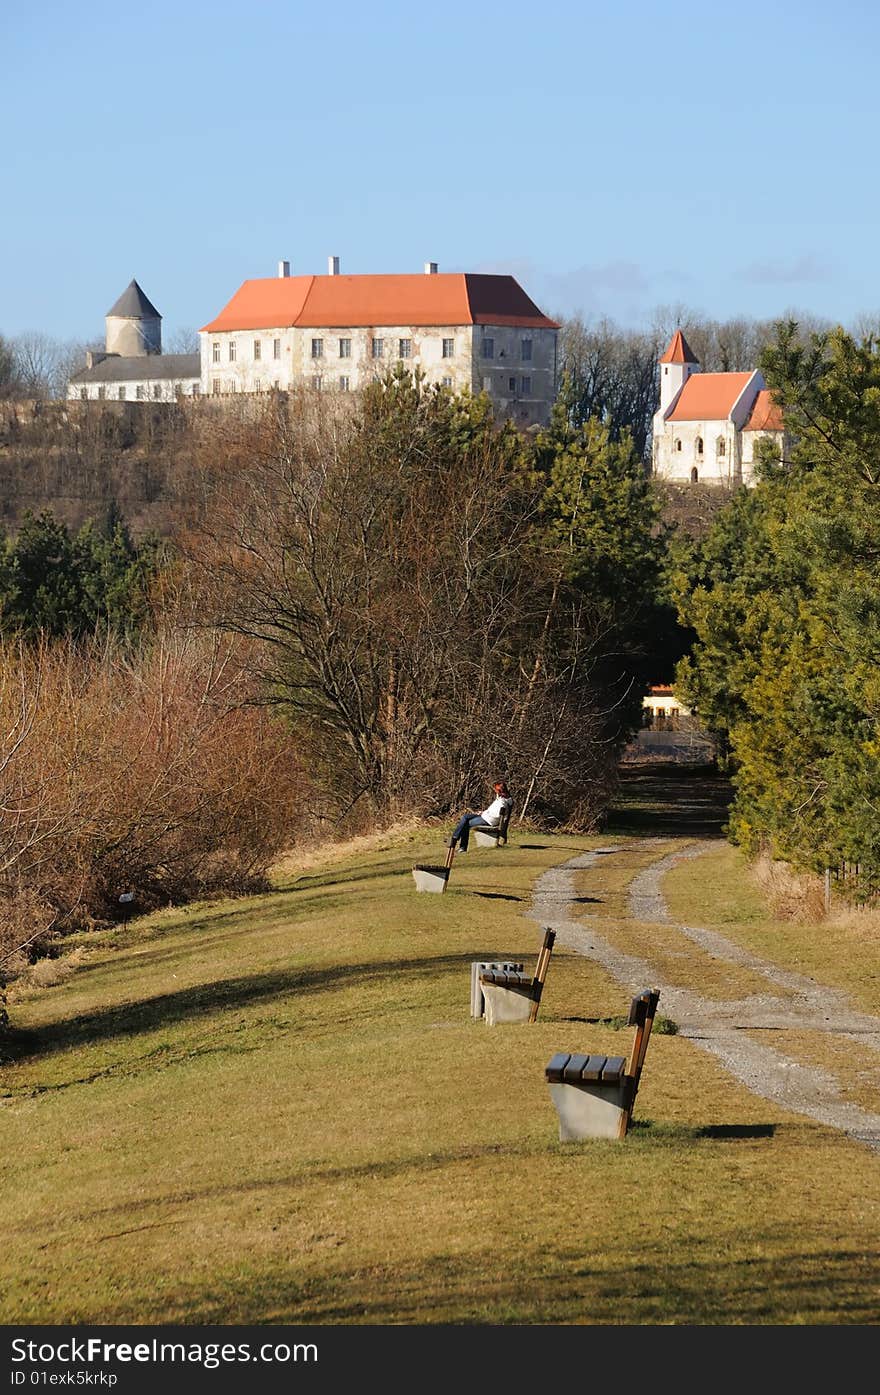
{"x": 336, "y": 333}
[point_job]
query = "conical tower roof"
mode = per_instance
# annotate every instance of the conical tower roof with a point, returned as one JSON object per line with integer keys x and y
{"x": 679, "y": 350}
{"x": 134, "y": 305}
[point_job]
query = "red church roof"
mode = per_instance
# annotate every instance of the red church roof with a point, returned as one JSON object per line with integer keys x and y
{"x": 765, "y": 415}
{"x": 679, "y": 350}
{"x": 708, "y": 396}
{"x": 455, "y": 298}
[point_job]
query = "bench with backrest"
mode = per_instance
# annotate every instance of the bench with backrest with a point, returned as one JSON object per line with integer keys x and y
{"x": 489, "y": 836}
{"x": 516, "y": 997}
{"x": 594, "y": 1094}
{"x": 488, "y": 966}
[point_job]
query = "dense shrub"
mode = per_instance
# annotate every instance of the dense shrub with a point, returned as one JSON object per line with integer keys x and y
{"x": 145, "y": 772}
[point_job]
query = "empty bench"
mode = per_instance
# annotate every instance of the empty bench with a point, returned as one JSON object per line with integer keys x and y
{"x": 515, "y": 997}
{"x": 429, "y": 877}
{"x": 488, "y": 966}
{"x": 594, "y": 1095}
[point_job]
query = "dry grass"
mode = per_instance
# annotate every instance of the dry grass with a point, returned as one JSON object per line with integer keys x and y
{"x": 717, "y": 891}
{"x": 327, "y": 852}
{"x": 680, "y": 961}
{"x": 790, "y": 895}
{"x": 45, "y": 973}
{"x": 279, "y": 1110}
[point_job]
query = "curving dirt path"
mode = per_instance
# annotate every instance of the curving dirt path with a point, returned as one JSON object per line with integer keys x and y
{"x": 720, "y": 1027}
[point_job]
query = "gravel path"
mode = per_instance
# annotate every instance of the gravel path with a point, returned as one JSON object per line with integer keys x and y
{"x": 719, "y": 1027}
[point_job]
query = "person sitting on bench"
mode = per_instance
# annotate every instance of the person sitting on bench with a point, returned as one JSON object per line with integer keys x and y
{"x": 489, "y": 818}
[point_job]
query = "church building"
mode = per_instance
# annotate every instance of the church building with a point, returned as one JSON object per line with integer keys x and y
{"x": 708, "y": 424}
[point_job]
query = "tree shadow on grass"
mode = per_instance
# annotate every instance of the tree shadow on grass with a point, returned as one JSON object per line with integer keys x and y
{"x": 495, "y": 895}
{"x": 671, "y": 1279}
{"x": 223, "y": 995}
{"x": 316, "y": 881}
{"x": 671, "y": 803}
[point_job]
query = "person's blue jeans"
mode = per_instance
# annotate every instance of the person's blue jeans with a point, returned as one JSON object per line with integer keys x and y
{"x": 461, "y": 831}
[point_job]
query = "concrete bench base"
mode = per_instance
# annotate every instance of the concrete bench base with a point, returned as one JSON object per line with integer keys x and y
{"x": 590, "y": 1111}
{"x": 482, "y": 966}
{"x": 485, "y": 837}
{"x": 507, "y": 1004}
{"x": 430, "y": 878}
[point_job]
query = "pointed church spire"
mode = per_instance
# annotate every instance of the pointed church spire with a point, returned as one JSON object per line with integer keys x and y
{"x": 679, "y": 350}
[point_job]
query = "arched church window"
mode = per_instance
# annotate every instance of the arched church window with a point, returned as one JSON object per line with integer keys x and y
{"x": 699, "y": 445}
{"x": 720, "y": 446}
{"x": 694, "y": 475}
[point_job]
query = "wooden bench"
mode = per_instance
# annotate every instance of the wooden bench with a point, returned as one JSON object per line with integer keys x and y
{"x": 515, "y": 997}
{"x": 488, "y": 966}
{"x": 594, "y": 1095}
{"x": 492, "y": 837}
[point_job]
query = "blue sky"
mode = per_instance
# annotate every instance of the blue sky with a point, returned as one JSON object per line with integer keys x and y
{"x": 616, "y": 157}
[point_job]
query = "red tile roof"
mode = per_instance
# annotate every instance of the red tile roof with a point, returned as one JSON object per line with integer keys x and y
{"x": 766, "y": 415}
{"x": 454, "y": 298}
{"x": 679, "y": 350}
{"x": 708, "y": 396}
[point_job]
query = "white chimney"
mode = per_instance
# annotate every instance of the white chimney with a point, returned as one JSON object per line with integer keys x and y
{"x": 284, "y": 268}
{"x": 332, "y": 266}
{"x": 430, "y": 268}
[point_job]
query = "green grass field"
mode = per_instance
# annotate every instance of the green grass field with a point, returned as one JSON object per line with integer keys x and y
{"x": 279, "y": 1110}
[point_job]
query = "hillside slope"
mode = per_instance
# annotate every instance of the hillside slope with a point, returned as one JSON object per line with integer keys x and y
{"x": 280, "y": 1110}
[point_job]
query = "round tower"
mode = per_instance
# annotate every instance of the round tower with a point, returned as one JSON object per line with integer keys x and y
{"x": 676, "y": 366}
{"x": 134, "y": 325}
